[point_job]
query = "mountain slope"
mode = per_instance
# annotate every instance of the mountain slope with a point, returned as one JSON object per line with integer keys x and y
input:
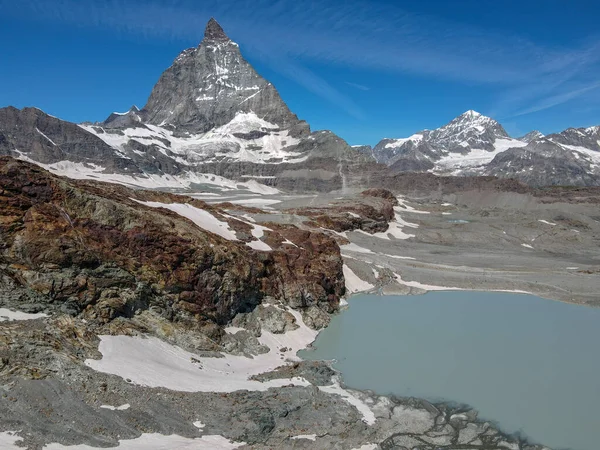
{"x": 571, "y": 157}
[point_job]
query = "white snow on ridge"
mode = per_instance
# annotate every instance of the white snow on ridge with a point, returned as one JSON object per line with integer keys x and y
{"x": 200, "y": 217}
{"x": 400, "y": 142}
{"x": 215, "y": 145}
{"x": 592, "y": 156}
{"x": 155, "y": 441}
{"x": 149, "y": 361}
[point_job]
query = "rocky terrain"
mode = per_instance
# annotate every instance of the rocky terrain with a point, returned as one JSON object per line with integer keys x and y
{"x": 171, "y": 317}
{"x": 112, "y": 284}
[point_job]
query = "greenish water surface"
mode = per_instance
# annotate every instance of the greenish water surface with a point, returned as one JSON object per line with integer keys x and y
{"x": 528, "y": 364}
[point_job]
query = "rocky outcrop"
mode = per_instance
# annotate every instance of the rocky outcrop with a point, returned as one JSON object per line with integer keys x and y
{"x": 371, "y": 213}
{"x": 86, "y": 247}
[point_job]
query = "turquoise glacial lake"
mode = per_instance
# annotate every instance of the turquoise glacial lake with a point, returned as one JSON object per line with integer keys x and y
{"x": 527, "y": 364}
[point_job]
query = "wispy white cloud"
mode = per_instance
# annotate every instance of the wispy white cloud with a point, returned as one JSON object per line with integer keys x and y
{"x": 358, "y": 86}
{"x": 527, "y": 76}
{"x": 558, "y": 99}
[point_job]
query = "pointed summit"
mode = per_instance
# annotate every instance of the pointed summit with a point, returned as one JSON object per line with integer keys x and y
{"x": 214, "y": 31}
{"x": 471, "y": 114}
{"x": 208, "y": 85}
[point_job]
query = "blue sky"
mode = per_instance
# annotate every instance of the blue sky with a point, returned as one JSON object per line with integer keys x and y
{"x": 365, "y": 70}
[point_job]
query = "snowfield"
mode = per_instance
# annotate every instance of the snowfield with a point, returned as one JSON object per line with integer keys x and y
{"x": 455, "y": 162}
{"x": 149, "y": 361}
{"x": 187, "y": 180}
{"x": 260, "y": 141}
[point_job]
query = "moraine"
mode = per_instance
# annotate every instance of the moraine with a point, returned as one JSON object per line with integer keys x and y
{"x": 528, "y": 364}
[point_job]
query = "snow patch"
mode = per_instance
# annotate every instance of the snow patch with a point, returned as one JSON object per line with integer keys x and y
{"x": 47, "y": 138}
{"x": 9, "y": 440}
{"x": 149, "y": 361}
{"x": 476, "y": 157}
{"x": 352, "y": 247}
{"x": 354, "y": 283}
{"x": 200, "y": 217}
{"x": 363, "y": 408}
{"x": 155, "y": 441}
{"x": 310, "y": 437}
{"x": 426, "y": 287}
{"x": 116, "y": 408}
{"x": 7, "y": 315}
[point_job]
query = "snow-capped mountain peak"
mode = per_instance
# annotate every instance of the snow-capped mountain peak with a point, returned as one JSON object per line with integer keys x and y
{"x": 471, "y": 114}
{"x": 468, "y": 140}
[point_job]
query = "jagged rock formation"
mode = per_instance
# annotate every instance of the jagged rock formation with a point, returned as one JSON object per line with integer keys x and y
{"x": 207, "y": 86}
{"x": 445, "y": 148}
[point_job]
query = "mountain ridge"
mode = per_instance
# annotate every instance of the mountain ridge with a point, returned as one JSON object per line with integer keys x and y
{"x": 210, "y": 113}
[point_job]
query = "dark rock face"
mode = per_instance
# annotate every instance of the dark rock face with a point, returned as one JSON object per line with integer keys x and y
{"x": 36, "y": 135}
{"x": 206, "y": 86}
{"x": 544, "y": 163}
{"x": 88, "y": 246}
{"x": 371, "y": 214}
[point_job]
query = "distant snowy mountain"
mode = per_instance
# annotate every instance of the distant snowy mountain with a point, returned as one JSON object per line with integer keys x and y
{"x": 467, "y": 142}
{"x": 531, "y": 136}
{"x": 473, "y": 144}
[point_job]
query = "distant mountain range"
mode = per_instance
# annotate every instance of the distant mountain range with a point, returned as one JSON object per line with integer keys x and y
{"x": 211, "y": 118}
{"x": 473, "y": 144}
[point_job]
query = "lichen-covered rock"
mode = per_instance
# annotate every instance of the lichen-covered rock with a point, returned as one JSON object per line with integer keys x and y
{"x": 91, "y": 247}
